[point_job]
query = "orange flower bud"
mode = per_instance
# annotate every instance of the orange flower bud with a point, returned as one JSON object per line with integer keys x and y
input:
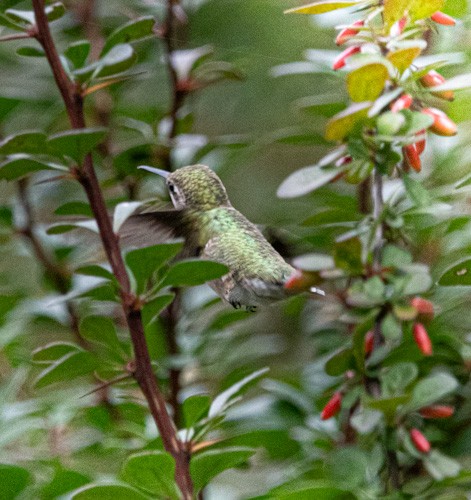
{"x": 420, "y": 145}
{"x": 412, "y": 157}
{"x": 347, "y": 33}
{"x": 422, "y": 339}
{"x": 442, "y": 124}
{"x": 442, "y": 18}
{"x": 340, "y": 60}
{"x": 423, "y": 307}
{"x": 369, "y": 342}
{"x": 332, "y": 407}
{"x": 404, "y": 102}
{"x": 398, "y": 27}
{"x": 437, "y": 411}
{"x": 433, "y": 79}
{"x": 420, "y": 441}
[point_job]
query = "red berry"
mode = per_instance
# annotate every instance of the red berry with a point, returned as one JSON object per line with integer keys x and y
{"x": 420, "y": 441}
{"x": 437, "y": 411}
{"x": 347, "y": 33}
{"x": 339, "y": 61}
{"x": 369, "y": 342}
{"x": 404, "y": 102}
{"x": 423, "y": 306}
{"x": 332, "y": 407}
{"x": 412, "y": 156}
{"x": 422, "y": 339}
{"x": 442, "y": 18}
{"x": 442, "y": 124}
{"x": 433, "y": 79}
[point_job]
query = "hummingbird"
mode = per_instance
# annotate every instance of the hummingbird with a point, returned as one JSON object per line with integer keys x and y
{"x": 213, "y": 229}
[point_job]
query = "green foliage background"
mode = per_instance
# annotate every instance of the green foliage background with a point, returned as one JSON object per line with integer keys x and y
{"x": 254, "y": 132}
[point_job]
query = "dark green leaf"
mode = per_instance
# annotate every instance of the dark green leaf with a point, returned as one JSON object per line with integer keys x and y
{"x": 144, "y": 262}
{"x": 193, "y": 272}
{"x": 14, "y": 480}
{"x": 398, "y": 377}
{"x": 72, "y": 365}
{"x": 153, "y": 472}
{"x": 339, "y": 363}
{"x": 431, "y": 389}
{"x": 95, "y": 270}
{"x": 101, "y": 331}
{"x": 74, "y": 208}
{"x": 417, "y": 193}
{"x": 53, "y": 351}
{"x": 64, "y": 480}
{"x": 457, "y": 275}
{"x": 31, "y": 52}
{"x": 24, "y": 142}
{"x": 76, "y": 143}
{"x": 108, "y": 492}
{"x": 194, "y": 408}
{"x": 135, "y": 29}
{"x": 207, "y": 465}
{"x": 77, "y": 53}
{"x": 153, "y": 308}
{"x": 17, "y": 168}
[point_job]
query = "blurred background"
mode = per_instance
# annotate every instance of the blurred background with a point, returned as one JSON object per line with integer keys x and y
{"x": 263, "y": 120}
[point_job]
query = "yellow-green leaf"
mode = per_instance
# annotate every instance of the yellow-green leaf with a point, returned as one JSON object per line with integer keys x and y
{"x": 414, "y": 9}
{"x": 403, "y": 58}
{"x": 320, "y": 7}
{"x": 367, "y": 82}
{"x": 341, "y": 124}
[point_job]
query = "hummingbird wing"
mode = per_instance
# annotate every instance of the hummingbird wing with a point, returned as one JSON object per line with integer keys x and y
{"x": 154, "y": 227}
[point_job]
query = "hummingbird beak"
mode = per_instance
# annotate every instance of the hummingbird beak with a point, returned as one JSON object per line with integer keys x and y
{"x": 158, "y": 171}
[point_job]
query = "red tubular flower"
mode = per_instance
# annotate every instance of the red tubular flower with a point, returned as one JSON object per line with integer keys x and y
{"x": 340, "y": 60}
{"x": 398, "y": 27}
{"x": 442, "y": 124}
{"x": 423, "y": 307}
{"x": 332, "y": 407}
{"x": 422, "y": 339}
{"x": 437, "y": 411}
{"x": 442, "y": 18}
{"x": 412, "y": 156}
{"x": 369, "y": 342}
{"x": 433, "y": 79}
{"x": 347, "y": 33}
{"x": 420, "y": 145}
{"x": 404, "y": 102}
{"x": 420, "y": 441}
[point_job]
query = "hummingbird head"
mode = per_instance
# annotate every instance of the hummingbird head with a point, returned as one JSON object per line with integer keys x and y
{"x": 195, "y": 186}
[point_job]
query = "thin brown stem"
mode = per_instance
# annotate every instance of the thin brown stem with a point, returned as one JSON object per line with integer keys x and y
{"x": 86, "y": 175}
{"x": 15, "y": 36}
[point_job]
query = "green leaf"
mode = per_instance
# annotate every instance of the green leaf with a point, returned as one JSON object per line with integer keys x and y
{"x": 416, "y": 121}
{"x": 347, "y": 467}
{"x": 72, "y": 365}
{"x": 14, "y": 480}
{"x": 457, "y": 275}
{"x": 76, "y": 143}
{"x": 154, "y": 307}
{"x": 31, "y": 52}
{"x": 53, "y": 12}
{"x": 192, "y": 272}
{"x": 366, "y": 420}
{"x": 440, "y": 466}
{"x": 108, "y": 492}
{"x": 101, "y": 331}
{"x": 347, "y": 256}
{"x": 416, "y": 192}
{"x": 207, "y": 465}
{"x": 74, "y": 208}
{"x": 431, "y": 390}
{"x": 95, "y": 270}
{"x": 340, "y": 362}
{"x": 306, "y": 180}
{"x": 222, "y": 401}
{"x": 23, "y": 142}
{"x": 320, "y": 7}
{"x": 9, "y": 23}
{"x": 153, "y": 472}
{"x": 18, "y": 167}
{"x": 388, "y": 406}
{"x": 340, "y": 125}
{"x": 394, "y": 10}
{"x": 405, "y": 54}
{"x": 398, "y": 377}
{"x": 90, "y": 225}
{"x": 135, "y": 29}
{"x": 77, "y": 53}
{"x": 64, "y": 480}
{"x": 194, "y": 408}
{"x": 53, "y": 351}
{"x": 367, "y": 80}
{"x": 144, "y": 262}
{"x": 120, "y": 58}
